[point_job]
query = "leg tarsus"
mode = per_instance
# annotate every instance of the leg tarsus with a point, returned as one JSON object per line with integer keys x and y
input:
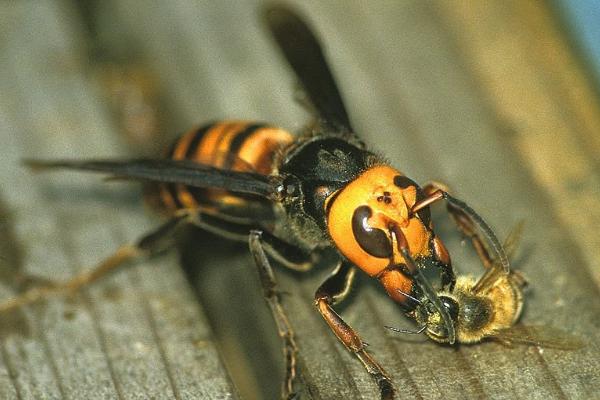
{"x": 35, "y": 294}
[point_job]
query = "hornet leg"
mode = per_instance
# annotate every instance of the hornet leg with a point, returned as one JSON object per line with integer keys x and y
{"x": 284, "y": 253}
{"x": 258, "y": 242}
{"x": 435, "y": 191}
{"x": 153, "y": 242}
{"x": 331, "y": 292}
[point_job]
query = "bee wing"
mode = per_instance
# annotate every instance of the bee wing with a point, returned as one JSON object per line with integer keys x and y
{"x": 497, "y": 269}
{"x": 170, "y": 171}
{"x": 542, "y": 336}
{"x": 511, "y": 243}
{"x": 304, "y": 54}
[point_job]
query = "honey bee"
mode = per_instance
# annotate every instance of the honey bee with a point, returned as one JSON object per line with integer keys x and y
{"x": 489, "y": 308}
{"x": 479, "y": 308}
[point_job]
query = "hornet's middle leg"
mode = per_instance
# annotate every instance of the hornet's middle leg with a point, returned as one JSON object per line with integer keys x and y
{"x": 291, "y": 257}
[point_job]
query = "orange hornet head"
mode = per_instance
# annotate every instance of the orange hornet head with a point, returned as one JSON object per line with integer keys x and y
{"x": 364, "y": 215}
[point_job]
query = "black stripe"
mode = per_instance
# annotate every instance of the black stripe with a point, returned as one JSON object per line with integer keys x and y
{"x": 195, "y": 142}
{"x": 172, "y": 148}
{"x": 198, "y": 194}
{"x": 227, "y": 128}
{"x": 238, "y": 141}
{"x": 172, "y": 189}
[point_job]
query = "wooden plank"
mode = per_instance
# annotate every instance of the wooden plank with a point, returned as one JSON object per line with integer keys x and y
{"x": 557, "y": 139}
{"x": 550, "y": 105}
{"x": 462, "y": 92}
{"x": 139, "y": 333}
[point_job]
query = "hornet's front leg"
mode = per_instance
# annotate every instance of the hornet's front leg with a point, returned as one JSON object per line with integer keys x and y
{"x": 468, "y": 222}
{"x": 331, "y": 292}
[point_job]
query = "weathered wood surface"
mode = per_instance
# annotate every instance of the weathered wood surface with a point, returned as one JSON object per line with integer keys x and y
{"x": 138, "y": 334}
{"x": 482, "y": 95}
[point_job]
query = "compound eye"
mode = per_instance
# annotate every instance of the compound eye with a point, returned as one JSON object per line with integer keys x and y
{"x": 404, "y": 182}
{"x": 372, "y": 240}
{"x": 451, "y": 305}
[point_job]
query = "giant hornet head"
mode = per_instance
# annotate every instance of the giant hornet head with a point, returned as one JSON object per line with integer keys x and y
{"x": 373, "y": 223}
{"x": 367, "y": 216}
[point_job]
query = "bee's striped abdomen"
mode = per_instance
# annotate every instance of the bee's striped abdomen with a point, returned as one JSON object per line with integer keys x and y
{"x": 233, "y": 145}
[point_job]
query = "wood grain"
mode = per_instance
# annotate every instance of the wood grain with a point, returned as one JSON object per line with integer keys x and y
{"x": 486, "y": 96}
{"x": 138, "y": 334}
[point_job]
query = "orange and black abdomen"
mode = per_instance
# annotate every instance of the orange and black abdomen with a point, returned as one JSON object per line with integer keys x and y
{"x": 232, "y": 145}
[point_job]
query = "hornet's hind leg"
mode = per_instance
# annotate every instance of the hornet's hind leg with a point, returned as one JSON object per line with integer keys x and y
{"x": 153, "y": 242}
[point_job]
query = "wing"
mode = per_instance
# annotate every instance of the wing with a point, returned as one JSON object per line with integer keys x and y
{"x": 171, "y": 171}
{"x": 497, "y": 270}
{"x": 511, "y": 243}
{"x": 541, "y": 336}
{"x": 304, "y": 54}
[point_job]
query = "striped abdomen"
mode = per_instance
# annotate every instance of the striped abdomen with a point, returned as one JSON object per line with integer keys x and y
{"x": 232, "y": 145}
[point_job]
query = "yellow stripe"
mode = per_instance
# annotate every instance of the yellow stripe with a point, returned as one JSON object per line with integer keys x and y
{"x": 259, "y": 148}
{"x": 183, "y": 144}
{"x": 223, "y": 148}
{"x": 205, "y": 150}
